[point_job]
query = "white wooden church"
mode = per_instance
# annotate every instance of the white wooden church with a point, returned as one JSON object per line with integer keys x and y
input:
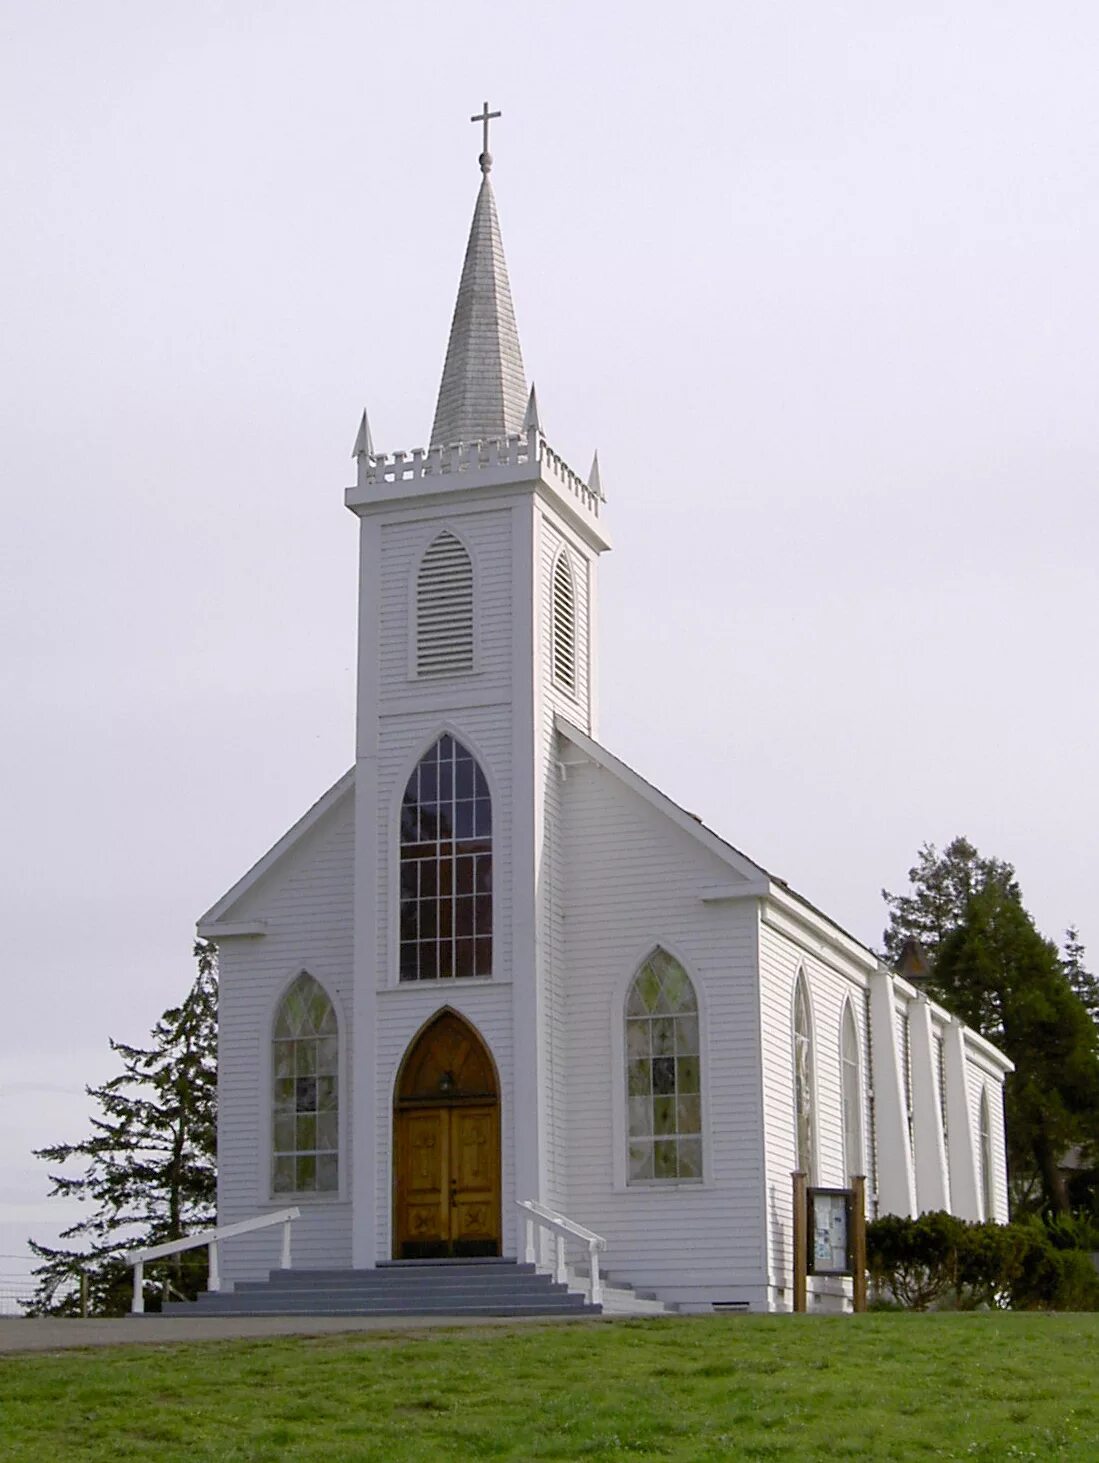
{"x": 495, "y": 964}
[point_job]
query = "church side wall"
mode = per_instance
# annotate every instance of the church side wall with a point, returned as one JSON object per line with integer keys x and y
{"x": 632, "y": 881}
{"x": 306, "y": 905}
{"x": 782, "y": 954}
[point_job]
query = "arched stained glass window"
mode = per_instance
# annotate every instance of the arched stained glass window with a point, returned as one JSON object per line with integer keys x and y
{"x": 446, "y": 867}
{"x": 988, "y": 1196}
{"x": 663, "y": 1074}
{"x": 854, "y": 1162}
{"x": 803, "y": 1078}
{"x": 305, "y": 1065}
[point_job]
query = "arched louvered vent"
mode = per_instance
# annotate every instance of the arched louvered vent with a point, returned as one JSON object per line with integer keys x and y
{"x": 444, "y": 609}
{"x": 564, "y": 624}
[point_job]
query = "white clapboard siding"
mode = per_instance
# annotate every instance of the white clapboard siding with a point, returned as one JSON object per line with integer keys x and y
{"x": 305, "y": 904}
{"x": 631, "y": 882}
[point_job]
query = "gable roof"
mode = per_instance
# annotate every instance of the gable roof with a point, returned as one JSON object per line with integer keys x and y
{"x": 760, "y": 881}
{"x": 215, "y": 916}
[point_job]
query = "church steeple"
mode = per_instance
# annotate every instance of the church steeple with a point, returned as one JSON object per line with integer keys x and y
{"x": 483, "y": 392}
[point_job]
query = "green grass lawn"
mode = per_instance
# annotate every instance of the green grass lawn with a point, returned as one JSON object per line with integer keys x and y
{"x": 879, "y": 1386}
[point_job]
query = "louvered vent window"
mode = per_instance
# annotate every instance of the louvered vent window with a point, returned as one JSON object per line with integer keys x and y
{"x": 444, "y": 609}
{"x": 564, "y": 624}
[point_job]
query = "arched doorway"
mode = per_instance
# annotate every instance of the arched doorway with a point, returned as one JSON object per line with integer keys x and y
{"x": 446, "y": 1145}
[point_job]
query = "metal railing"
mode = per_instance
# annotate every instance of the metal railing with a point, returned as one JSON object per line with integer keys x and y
{"x": 211, "y": 1238}
{"x": 563, "y": 1229}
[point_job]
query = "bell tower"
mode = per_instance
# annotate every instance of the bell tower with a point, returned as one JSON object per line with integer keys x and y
{"x": 478, "y": 561}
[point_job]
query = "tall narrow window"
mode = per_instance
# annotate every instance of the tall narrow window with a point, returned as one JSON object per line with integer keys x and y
{"x": 446, "y": 867}
{"x": 803, "y": 1078}
{"x": 564, "y": 624}
{"x": 305, "y": 1064}
{"x": 854, "y": 1163}
{"x": 444, "y": 608}
{"x": 663, "y": 1075}
{"x": 988, "y": 1196}
{"x": 940, "y": 1078}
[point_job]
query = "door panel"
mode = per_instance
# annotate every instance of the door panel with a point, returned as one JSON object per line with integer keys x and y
{"x": 475, "y": 1182}
{"x": 448, "y": 1182}
{"x": 423, "y": 1201}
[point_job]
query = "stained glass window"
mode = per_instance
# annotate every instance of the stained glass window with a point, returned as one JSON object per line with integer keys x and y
{"x": 305, "y": 1068}
{"x": 803, "y": 1078}
{"x": 663, "y": 1074}
{"x": 446, "y": 867}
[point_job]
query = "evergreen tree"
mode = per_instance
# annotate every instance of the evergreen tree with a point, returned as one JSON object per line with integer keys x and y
{"x": 999, "y": 974}
{"x": 1082, "y": 981}
{"x": 150, "y": 1161}
{"x": 942, "y": 886}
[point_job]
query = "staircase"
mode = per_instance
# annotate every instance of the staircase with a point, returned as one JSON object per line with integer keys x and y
{"x": 485, "y": 1287}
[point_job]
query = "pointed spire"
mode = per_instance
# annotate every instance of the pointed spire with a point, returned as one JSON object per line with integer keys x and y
{"x": 483, "y": 391}
{"x": 364, "y": 442}
{"x": 531, "y": 418}
{"x": 593, "y": 478}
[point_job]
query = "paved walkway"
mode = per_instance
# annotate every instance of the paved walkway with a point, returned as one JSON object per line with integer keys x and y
{"x": 51, "y": 1334}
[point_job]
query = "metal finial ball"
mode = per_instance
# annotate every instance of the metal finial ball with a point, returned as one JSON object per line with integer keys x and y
{"x": 486, "y": 162}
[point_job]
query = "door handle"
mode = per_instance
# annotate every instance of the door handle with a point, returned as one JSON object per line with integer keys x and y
{"x": 453, "y": 1192}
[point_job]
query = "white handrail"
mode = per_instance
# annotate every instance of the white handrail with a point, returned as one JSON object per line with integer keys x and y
{"x": 563, "y": 1229}
{"x": 211, "y": 1238}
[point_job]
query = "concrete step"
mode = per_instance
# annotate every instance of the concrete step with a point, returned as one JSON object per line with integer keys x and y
{"x": 410, "y": 1288}
{"x": 298, "y": 1299}
{"x": 502, "y": 1308}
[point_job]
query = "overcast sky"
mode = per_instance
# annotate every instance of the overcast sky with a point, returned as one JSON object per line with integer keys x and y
{"x": 819, "y": 280}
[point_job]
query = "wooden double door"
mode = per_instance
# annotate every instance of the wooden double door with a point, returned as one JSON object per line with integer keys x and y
{"x": 446, "y": 1130}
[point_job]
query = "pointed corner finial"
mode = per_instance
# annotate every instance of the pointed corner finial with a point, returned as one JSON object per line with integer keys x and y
{"x": 593, "y": 478}
{"x": 364, "y": 442}
{"x": 484, "y": 116}
{"x": 531, "y": 418}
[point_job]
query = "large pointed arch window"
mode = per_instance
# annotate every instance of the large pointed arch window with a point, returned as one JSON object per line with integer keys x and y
{"x": 446, "y": 867}
{"x": 851, "y": 1093}
{"x": 305, "y": 1066}
{"x": 663, "y": 1074}
{"x": 444, "y": 608}
{"x": 803, "y": 1077}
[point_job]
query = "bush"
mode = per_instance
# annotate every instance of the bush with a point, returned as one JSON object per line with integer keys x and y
{"x": 937, "y": 1260}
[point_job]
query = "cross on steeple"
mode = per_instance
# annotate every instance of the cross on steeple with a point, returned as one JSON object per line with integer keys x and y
{"x": 485, "y": 117}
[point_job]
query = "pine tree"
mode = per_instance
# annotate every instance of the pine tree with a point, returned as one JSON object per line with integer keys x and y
{"x": 1082, "y": 981}
{"x": 999, "y": 974}
{"x": 942, "y": 886}
{"x": 150, "y": 1162}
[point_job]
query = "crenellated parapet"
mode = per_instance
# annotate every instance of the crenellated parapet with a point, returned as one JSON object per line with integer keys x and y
{"x": 499, "y": 461}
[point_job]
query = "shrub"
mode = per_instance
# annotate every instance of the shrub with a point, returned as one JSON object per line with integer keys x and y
{"x": 937, "y": 1260}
